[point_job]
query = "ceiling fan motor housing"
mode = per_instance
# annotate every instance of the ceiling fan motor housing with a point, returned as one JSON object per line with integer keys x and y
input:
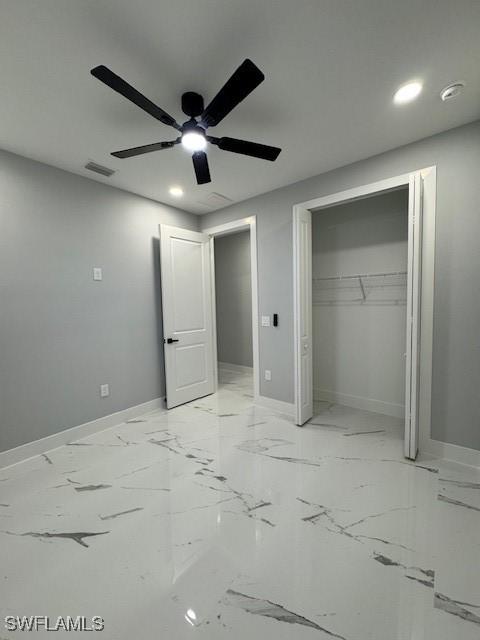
{"x": 192, "y": 104}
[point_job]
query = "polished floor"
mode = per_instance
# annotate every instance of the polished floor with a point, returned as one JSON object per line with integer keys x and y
{"x": 219, "y": 519}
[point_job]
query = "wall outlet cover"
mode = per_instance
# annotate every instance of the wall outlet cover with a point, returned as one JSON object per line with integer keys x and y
{"x": 104, "y": 390}
{"x": 265, "y": 321}
{"x": 268, "y": 374}
{"x": 97, "y": 273}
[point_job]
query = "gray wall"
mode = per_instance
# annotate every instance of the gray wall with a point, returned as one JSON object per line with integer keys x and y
{"x": 61, "y": 334}
{"x": 233, "y": 291}
{"x": 359, "y": 348}
{"x": 456, "y": 357}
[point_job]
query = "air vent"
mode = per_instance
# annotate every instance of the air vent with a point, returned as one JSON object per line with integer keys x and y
{"x": 215, "y": 200}
{"x": 97, "y": 168}
{"x": 218, "y": 200}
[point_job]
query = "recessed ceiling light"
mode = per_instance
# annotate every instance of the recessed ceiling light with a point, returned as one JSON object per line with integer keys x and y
{"x": 407, "y": 92}
{"x": 176, "y": 192}
{"x": 451, "y": 91}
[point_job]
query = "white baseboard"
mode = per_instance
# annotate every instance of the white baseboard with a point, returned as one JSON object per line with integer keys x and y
{"x": 278, "y": 405}
{"x": 359, "y": 402}
{"x": 35, "y": 448}
{"x": 451, "y": 452}
{"x": 235, "y": 367}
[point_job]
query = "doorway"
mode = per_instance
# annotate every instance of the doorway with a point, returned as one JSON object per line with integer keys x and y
{"x": 235, "y": 304}
{"x": 421, "y": 186}
{"x": 359, "y": 296}
{"x": 233, "y": 300}
{"x": 187, "y": 265}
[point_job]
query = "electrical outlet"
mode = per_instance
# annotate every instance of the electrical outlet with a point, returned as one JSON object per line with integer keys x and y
{"x": 97, "y": 273}
{"x": 104, "y": 390}
{"x": 265, "y": 321}
{"x": 268, "y": 374}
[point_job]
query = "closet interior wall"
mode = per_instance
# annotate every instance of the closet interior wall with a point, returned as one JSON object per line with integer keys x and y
{"x": 359, "y": 263}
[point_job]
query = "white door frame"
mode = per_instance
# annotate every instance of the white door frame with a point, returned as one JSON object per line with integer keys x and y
{"x": 244, "y": 224}
{"x": 429, "y": 180}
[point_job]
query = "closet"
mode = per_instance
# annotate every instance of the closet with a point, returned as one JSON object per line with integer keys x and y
{"x": 359, "y": 294}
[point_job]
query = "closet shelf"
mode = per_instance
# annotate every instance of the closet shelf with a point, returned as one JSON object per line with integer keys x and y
{"x": 361, "y": 288}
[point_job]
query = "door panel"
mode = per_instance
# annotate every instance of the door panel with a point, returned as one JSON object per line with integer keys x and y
{"x": 190, "y": 365}
{"x": 302, "y": 242}
{"x": 187, "y": 314}
{"x": 189, "y": 311}
{"x": 414, "y": 279}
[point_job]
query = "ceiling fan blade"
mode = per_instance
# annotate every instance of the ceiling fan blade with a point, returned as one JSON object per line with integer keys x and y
{"x": 105, "y": 75}
{"x": 245, "y": 79}
{"x": 146, "y": 148}
{"x": 200, "y": 164}
{"x": 246, "y": 148}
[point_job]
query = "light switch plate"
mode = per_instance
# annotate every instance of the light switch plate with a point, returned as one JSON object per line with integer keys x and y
{"x": 104, "y": 390}
{"x": 265, "y": 321}
{"x": 97, "y": 273}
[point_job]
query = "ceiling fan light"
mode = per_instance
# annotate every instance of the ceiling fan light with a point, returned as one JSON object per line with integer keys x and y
{"x": 194, "y": 141}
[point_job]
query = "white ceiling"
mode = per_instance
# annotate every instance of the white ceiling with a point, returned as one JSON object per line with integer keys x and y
{"x": 331, "y": 68}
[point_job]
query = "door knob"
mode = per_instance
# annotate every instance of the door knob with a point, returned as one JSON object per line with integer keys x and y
{"x": 170, "y": 340}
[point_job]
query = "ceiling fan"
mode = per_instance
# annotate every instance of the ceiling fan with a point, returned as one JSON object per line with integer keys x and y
{"x": 193, "y": 132}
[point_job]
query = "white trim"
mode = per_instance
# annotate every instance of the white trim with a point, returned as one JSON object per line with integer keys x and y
{"x": 214, "y": 311}
{"x": 228, "y": 228}
{"x": 357, "y": 193}
{"x": 414, "y": 300}
{"x": 426, "y": 306}
{"x": 287, "y": 408}
{"x": 360, "y": 402}
{"x": 302, "y": 331}
{"x": 452, "y": 453}
{"x": 35, "y": 448}
{"x": 235, "y": 367}
{"x": 428, "y": 264}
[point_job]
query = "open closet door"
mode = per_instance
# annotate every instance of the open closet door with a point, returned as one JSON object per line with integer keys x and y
{"x": 302, "y": 260}
{"x": 414, "y": 279}
{"x": 187, "y": 314}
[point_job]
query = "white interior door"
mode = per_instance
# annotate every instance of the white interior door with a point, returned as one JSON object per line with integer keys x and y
{"x": 302, "y": 260}
{"x": 414, "y": 279}
{"x": 187, "y": 314}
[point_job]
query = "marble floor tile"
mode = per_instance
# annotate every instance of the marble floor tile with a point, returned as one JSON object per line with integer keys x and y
{"x": 220, "y": 519}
